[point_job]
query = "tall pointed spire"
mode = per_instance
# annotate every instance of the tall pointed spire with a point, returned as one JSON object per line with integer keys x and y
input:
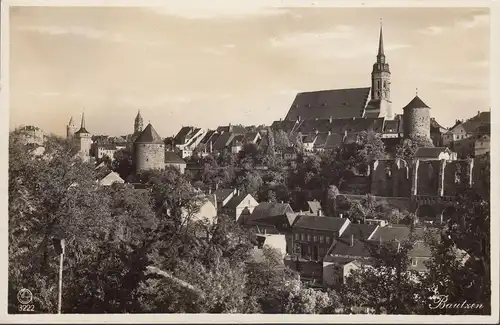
{"x": 82, "y": 126}
{"x": 381, "y": 54}
{"x": 70, "y": 121}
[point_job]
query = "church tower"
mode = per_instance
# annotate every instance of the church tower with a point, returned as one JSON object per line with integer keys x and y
{"x": 138, "y": 123}
{"x": 83, "y": 140}
{"x": 70, "y": 129}
{"x": 381, "y": 81}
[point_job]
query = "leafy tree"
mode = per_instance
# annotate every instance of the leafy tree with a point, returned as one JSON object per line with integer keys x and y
{"x": 123, "y": 163}
{"x": 407, "y": 148}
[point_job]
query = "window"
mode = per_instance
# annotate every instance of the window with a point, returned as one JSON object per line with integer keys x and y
{"x": 414, "y": 262}
{"x": 321, "y": 239}
{"x": 297, "y": 236}
{"x": 302, "y": 236}
{"x": 315, "y": 238}
{"x": 308, "y": 237}
{"x": 328, "y": 240}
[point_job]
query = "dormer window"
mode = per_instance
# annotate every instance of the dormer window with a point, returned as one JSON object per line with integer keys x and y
{"x": 414, "y": 262}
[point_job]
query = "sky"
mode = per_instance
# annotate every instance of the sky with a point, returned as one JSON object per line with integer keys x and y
{"x": 239, "y": 65}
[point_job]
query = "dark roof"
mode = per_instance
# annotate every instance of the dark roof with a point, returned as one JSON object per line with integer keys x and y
{"x": 359, "y": 231}
{"x": 286, "y": 126}
{"x": 270, "y": 209}
{"x": 319, "y": 223}
{"x": 391, "y": 126}
{"x": 223, "y": 141}
{"x": 372, "y": 114}
{"x": 416, "y": 102}
{"x": 395, "y": 233}
{"x": 310, "y": 138}
{"x": 250, "y": 136}
{"x": 435, "y": 126}
{"x": 429, "y": 152}
{"x": 172, "y": 158}
{"x": 321, "y": 140}
{"x": 342, "y": 247}
{"x": 207, "y": 136}
{"x": 82, "y": 130}
{"x": 336, "y": 103}
{"x": 351, "y": 138}
{"x": 484, "y": 129}
{"x": 180, "y": 138}
{"x": 235, "y": 201}
{"x": 108, "y": 146}
{"x": 223, "y": 194}
{"x": 149, "y": 135}
{"x": 334, "y": 141}
{"x": 238, "y": 139}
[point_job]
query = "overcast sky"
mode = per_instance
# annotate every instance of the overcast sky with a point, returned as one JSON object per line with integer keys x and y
{"x": 237, "y": 65}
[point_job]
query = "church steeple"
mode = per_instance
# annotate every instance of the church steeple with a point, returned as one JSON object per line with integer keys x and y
{"x": 381, "y": 54}
{"x": 138, "y": 123}
{"x": 381, "y": 80}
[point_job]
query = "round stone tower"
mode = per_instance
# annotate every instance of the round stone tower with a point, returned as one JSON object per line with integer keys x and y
{"x": 149, "y": 150}
{"x": 70, "y": 129}
{"x": 416, "y": 119}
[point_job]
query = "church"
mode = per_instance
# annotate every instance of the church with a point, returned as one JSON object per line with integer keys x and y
{"x": 365, "y": 102}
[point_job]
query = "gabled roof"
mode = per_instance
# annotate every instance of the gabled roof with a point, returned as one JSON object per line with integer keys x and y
{"x": 334, "y": 140}
{"x": 416, "y": 102}
{"x": 172, "y": 158}
{"x": 336, "y": 103}
{"x": 342, "y": 247}
{"x": 395, "y": 233}
{"x": 223, "y": 193}
{"x": 235, "y": 201}
{"x": 321, "y": 140}
{"x": 223, "y": 140}
{"x": 319, "y": 223}
{"x": 207, "y": 136}
{"x": 180, "y": 138}
{"x": 359, "y": 231}
{"x": 430, "y": 152}
{"x": 269, "y": 209}
{"x": 149, "y": 135}
{"x": 286, "y": 126}
{"x": 310, "y": 138}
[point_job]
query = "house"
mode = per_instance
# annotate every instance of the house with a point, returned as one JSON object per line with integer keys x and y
{"x": 109, "y": 150}
{"x": 32, "y": 135}
{"x": 173, "y": 160}
{"x": 223, "y": 196}
{"x": 206, "y": 209}
{"x": 240, "y": 205}
{"x": 289, "y": 154}
{"x": 187, "y": 139}
{"x": 237, "y": 143}
{"x": 434, "y": 153}
{"x": 110, "y": 179}
{"x": 270, "y": 217}
{"x": 309, "y": 141}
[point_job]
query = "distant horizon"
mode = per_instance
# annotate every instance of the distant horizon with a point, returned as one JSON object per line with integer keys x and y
{"x": 243, "y": 67}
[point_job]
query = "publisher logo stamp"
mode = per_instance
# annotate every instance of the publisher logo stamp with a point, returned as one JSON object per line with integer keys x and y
{"x": 25, "y": 297}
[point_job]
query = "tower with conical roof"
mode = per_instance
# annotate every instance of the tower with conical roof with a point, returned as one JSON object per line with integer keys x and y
{"x": 149, "y": 150}
{"x": 381, "y": 81}
{"x": 138, "y": 123}
{"x": 70, "y": 129}
{"x": 416, "y": 119}
{"x": 83, "y": 140}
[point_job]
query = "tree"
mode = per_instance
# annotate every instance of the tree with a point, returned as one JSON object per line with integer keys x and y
{"x": 368, "y": 148}
{"x": 385, "y": 283}
{"x": 407, "y": 148}
{"x": 123, "y": 163}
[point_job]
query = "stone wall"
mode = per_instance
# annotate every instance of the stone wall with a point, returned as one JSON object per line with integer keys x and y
{"x": 427, "y": 180}
{"x": 149, "y": 156}
{"x": 390, "y": 178}
{"x": 456, "y": 175}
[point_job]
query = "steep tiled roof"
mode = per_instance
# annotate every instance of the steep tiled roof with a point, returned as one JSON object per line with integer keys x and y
{"x": 149, "y": 135}
{"x": 416, "y": 102}
{"x": 223, "y": 140}
{"x": 250, "y": 136}
{"x": 395, "y": 233}
{"x": 269, "y": 209}
{"x": 207, "y": 136}
{"x": 359, "y": 248}
{"x": 351, "y": 138}
{"x": 334, "y": 141}
{"x": 359, "y": 231}
{"x": 319, "y": 223}
{"x": 310, "y": 138}
{"x": 235, "y": 201}
{"x": 337, "y": 103}
{"x": 321, "y": 140}
{"x": 223, "y": 193}
{"x": 180, "y": 138}
{"x": 172, "y": 158}
{"x": 287, "y": 126}
{"x": 430, "y": 152}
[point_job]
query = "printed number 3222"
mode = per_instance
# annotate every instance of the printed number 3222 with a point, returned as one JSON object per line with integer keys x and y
{"x": 26, "y": 307}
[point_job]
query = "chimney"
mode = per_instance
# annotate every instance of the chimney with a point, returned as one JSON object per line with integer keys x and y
{"x": 320, "y": 213}
{"x": 331, "y": 119}
{"x": 298, "y": 118}
{"x": 352, "y": 240}
{"x": 238, "y": 192}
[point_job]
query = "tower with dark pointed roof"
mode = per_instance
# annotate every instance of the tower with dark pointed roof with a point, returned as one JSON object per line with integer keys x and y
{"x": 83, "y": 140}
{"x": 149, "y": 150}
{"x": 138, "y": 123}
{"x": 381, "y": 81}
{"x": 70, "y": 129}
{"x": 416, "y": 119}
